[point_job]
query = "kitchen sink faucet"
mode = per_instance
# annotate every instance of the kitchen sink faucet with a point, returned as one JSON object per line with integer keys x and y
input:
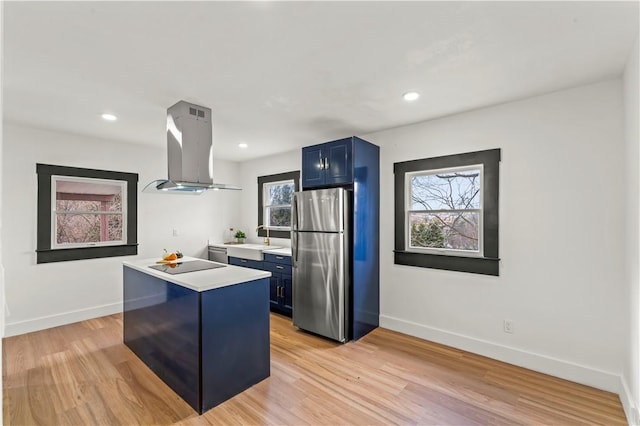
{"x": 266, "y": 228}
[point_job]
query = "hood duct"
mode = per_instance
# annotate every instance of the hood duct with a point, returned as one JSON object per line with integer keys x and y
{"x": 189, "y": 152}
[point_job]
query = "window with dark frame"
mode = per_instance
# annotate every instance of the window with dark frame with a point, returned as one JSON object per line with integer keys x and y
{"x": 85, "y": 213}
{"x": 274, "y": 203}
{"x": 446, "y": 212}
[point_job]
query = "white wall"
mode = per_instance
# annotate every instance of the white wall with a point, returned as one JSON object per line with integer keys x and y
{"x": 631, "y": 397}
{"x": 561, "y": 237}
{"x": 1, "y": 261}
{"x": 46, "y": 295}
{"x": 250, "y": 170}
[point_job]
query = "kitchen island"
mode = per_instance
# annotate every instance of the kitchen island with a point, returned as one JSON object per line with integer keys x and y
{"x": 204, "y": 333}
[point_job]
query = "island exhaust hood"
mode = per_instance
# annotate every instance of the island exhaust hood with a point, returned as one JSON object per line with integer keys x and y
{"x": 189, "y": 152}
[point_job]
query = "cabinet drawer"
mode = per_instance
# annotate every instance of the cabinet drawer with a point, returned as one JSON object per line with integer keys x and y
{"x": 247, "y": 263}
{"x": 277, "y": 267}
{"x": 277, "y": 258}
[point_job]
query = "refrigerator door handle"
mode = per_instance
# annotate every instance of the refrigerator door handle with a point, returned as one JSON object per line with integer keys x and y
{"x": 294, "y": 231}
{"x": 294, "y": 247}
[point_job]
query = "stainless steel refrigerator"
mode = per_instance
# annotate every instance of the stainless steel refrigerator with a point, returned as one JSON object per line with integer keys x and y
{"x": 320, "y": 252}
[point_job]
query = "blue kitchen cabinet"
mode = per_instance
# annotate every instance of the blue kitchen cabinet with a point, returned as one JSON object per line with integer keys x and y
{"x": 286, "y": 300}
{"x": 281, "y": 288}
{"x": 328, "y": 164}
{"x": 312, "y": 166}
{"x": 247, "y": 263}
{"x": 280, "y": 283}
{"x": 274, "y": 291}
{"x": 205, "y": 345}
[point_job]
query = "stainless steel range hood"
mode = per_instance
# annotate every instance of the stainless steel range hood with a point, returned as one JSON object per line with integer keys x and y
{"x": 189, "y": 152}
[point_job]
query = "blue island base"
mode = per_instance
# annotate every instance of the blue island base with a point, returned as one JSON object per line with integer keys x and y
{"x": 207, "y": 346}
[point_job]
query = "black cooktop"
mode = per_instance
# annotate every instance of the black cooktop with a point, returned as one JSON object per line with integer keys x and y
{"x": 188, "y": 266}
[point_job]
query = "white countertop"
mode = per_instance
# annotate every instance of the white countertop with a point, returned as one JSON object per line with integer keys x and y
{"x": 284, "y": 251}
{"x": 201, "y": 280}
{"x": 223, "y": 245}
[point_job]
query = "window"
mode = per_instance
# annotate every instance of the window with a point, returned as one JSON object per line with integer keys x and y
{"x": 85, "y": 213}
{"x": 274, "y": 203}
{"x": 276, "y": 197}
{"x": 446, "y": 212}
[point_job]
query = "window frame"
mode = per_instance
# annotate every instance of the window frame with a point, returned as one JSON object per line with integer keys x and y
{"x": 265, "y": 192}
{"x": 279, "y": 232}
{"x": 46, "y": 251}
{"x": 409, "y": 210}
{"x": 54, "y": 211}
{"x": 488, "y": 262}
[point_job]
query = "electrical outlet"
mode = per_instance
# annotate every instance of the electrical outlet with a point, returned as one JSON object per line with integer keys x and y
{"x": 508, "y": 326}
{"x": 175, "y": 232}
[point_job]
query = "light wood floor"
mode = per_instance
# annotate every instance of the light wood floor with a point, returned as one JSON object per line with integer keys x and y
{"x": 83, "y": 374}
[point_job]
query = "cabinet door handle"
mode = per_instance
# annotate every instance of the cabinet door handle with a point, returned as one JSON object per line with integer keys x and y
{"x": 243, "y": 261}
{"x": 279, "y": 291}
{"x": 279, "y": 267}
{"x": 326, "y": 163}
{"x": 279, "y": 257}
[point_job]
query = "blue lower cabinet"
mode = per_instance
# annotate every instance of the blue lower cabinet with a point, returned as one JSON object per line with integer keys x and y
{"x": 277, "y": 258}
{"x": 281, "y": 288}
{"x": 162, "y": 327}
{"x": 274, "y": 290}
{"x": 246, "y": 263}
{"x": 207, "y": 346}
{"x": 287, "y": 293}
{"x": 235, "y": 340}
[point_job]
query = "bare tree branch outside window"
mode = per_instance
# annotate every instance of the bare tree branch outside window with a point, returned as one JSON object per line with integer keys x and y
{"x": 445, "y": 209}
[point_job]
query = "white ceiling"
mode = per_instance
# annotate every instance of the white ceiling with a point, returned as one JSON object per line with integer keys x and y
{"x": 281, "y": 75}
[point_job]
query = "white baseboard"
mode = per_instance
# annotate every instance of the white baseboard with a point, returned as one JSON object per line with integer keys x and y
{"x": 556, "y": 367}
{"x": 630, "y": 409}
{"x": 41, "y": 323}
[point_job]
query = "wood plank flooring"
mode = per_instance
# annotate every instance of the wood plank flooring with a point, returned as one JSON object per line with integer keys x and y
{"x": 82, "y": 374}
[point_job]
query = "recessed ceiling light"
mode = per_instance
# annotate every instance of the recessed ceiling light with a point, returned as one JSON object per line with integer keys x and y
{"x": 109, "y": 117}
{"x": 411, "y": 96}
{"x": 243, "y": 145}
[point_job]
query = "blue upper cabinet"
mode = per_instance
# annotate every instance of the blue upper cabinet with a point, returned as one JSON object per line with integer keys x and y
{"x": 338, "y": 163}
{"x": 328, "y": 164}
{"x": 312, "y": 166}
